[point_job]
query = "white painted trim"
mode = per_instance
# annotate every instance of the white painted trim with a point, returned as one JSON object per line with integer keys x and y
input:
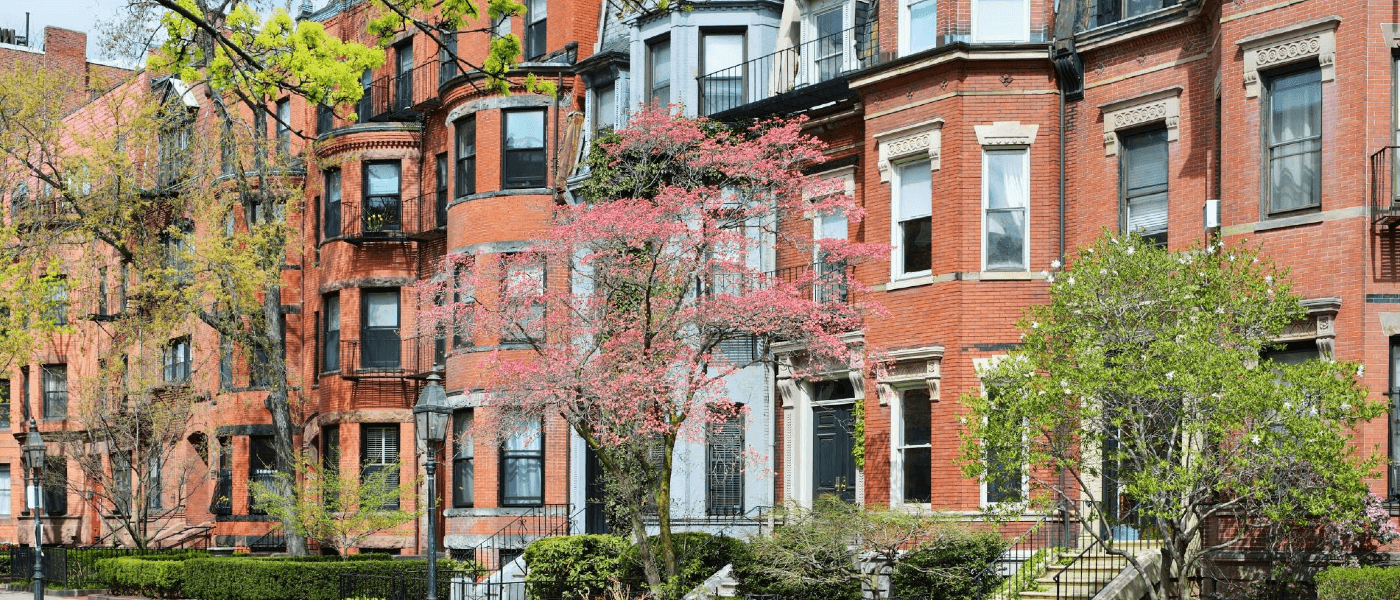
{"x": 978, "y": 366}
{"x": 896, "y": 243}
{"x": 906, "y": 18}
{"x": 1026, "y": 222}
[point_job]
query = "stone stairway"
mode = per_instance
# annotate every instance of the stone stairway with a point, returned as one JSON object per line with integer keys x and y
{"x": 1086, "y": 577}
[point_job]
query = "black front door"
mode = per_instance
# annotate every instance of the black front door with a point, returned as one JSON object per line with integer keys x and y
{"x": 833, "y": 466}
{"x": 595, "y": 518}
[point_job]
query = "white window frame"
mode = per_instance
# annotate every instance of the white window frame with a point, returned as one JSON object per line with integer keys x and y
{"x": 5, "y": 490}
{"x": 1026, "y": 222}
{"x": 906, "y": 18}
{"x": 847, "y": 175}
{"x": 897, "y": 446}
{"x": 896, "y": 232}
{"x": 1025, "y": 31}
{"x": 980, "y": 365}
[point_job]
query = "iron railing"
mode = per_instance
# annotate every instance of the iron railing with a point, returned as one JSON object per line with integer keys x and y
{"x": 1030, "y": 555}
{"x": 384, "y": 354}
{"x": 826, "y": 283}
{"x": 813, "y": 62}
{"x": 387, "y": 218}
{"x": 272, "y": 541}
{"x": 1385, "y": 188}
{"x": 222, "y": 501}
{"x": 401, "y": 97}
{"x": 510, "y": 541}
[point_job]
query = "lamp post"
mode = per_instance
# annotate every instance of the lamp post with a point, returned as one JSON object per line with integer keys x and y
{"x": 34, "y": 455}
{"x": 430, "y": 421}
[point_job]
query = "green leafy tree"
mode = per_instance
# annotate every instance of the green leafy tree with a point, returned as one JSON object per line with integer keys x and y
{"x": 1139, "y": 399}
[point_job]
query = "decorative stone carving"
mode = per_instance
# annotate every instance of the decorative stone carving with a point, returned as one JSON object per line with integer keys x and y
{"x": 908, "y": 142}
{"x": 1163, "y": 106}
{"x": 911, "y": 368}
{"x": 1006, "y": 133}
{"x": 1319, "y": 325}
{"x": 1310, "y": 40}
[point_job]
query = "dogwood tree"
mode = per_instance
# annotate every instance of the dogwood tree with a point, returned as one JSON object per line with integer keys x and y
{"x": 664, "y": 263}
{"x": 1143, "y": 398}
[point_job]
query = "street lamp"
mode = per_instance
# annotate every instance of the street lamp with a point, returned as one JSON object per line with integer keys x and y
{"x": 34, "y": 455}
{"x": 430, "y": 420}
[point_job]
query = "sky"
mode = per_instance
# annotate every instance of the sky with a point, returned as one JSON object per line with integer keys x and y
{"x": 79, "y": 15}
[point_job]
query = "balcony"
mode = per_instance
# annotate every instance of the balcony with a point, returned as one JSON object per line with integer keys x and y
{"x": 822, "y": 282}
{"x": 402, "y": 97}
{"x": 388, "y": 219}
{"x": 384, "y": 355}
{"x": 1385, "y": 189}
{"x": 810, "y": 74}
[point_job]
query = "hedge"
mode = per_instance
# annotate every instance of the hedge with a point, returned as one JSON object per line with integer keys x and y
{"x": 245, "y": 579}
{"x": 698, "y": 556}
{"x": 575, "y": 566}
{"x": 952, "y": 566}
{"x": 1358, "y": 583}
{"x": 159, "y": 578}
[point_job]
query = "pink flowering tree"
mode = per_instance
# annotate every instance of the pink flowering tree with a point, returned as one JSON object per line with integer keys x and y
{"x": 615, "y": 318}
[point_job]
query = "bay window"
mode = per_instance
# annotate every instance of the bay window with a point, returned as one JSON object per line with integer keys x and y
{"x": 1005, "y": 196}
{"x": 522, "y": 467}
{"x": 523, "y": 163}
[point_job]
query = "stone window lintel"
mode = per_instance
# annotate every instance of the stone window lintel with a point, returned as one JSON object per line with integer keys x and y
{"x": 1006, "y": 133}
{"x": 1162, "y": 105}
{"x": 906, "y": 142}
{"x": 1314, "y": 39}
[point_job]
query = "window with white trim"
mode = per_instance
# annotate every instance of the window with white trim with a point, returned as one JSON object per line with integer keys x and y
{"x": 1005, "y": 196}
{"x": 913, "y": 219}
{"x": 918, "y": 20}
{"x": 913, "y": 431}
{"x": 177, "y": 360}
{"x": 5, "y": 490}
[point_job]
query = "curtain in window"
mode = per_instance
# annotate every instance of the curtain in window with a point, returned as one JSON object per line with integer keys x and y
{"x": 466, "y": 157}
{"x": 55, "y": 391}
{"x": 5, "y": 490}
{"x": 915, "y": 216}
{"x": 1145, "y": 172}
{"x": 522, "y": 467}
{"x": 724, "y": 72}
{"x": 1295, "y": 141}
{"x": 1007, "y": 193}
{"x": 330, "y": 361}
{"x": 463, "y": 459}
{"x": 332, "y": 223}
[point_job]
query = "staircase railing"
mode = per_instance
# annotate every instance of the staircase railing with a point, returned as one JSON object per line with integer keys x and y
{"x": 1030, "y": 554}
{"x": 510, "y": 541}
{"x": 1086, "y": 569}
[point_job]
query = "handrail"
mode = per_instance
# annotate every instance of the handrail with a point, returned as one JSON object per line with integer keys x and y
{"x": 539, "y": 522}
{"x": 1385, "y": 188}
{"x": 1076, "y": 570}
{"x": 391, "y": 356}
{"x": 809, "y": 63}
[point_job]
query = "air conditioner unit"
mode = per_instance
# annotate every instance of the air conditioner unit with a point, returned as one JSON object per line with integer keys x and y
{"x": 1211, "y": 214}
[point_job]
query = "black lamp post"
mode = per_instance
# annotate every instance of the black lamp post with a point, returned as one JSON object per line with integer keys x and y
{"x": 34, "y": 455}
{"x": 430, "y": 420}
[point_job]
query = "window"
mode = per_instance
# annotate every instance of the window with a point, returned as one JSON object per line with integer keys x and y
{"x": 284, "y": 126}
{"x": 123, "y": 281}
{"x": 659, "y": 71}
{"x": 262, "y": 466}
{"x": 1142, "y": 175}
{"x": 332, "y": 204}
{"x": 724, "y": 460}
{"x": 913, "y": 235}
{"x": 379, "y": 451}
{"x": 225, "y": 363}
{"x": 463, "y": 295}
{"x": 4, "y": 403}
{"x": 24, "y": 392}
{"x": 522, "y": 467}
{"x": 366, "y": 104}
{"x": 153, "y": 488}
{"x": 1005, "y": 194}
{"x": 103, "y": 307}
{"x": 55, "y": 391}
{"x": 828, "y": 45}
{"x": 228, "y": 149}
{"x": 221, "y": 501}
{"x": 1005, "y": 478}
{"x": 175, "y": 240}
{"x": 57, "y": 309}
{"x": 535, "y": 39}
{"x": 1292, "y": 353}
{"x": 381, "y": 206}
{"x": 722, "y": 62}
{"x": 1293, "y": 140}
{"x": 913, "y": 448}
{"x": 5, "y": 490}
{"x": 260, "y": 371}
{"x": 440, "y": 207}
{"x": 919, "y": 25}
{"x": 403, "y": 75}
{"x": 121, "y": 481}
{"x": 1394, "y": 400}
{"x": 330, "y": 332}
{"x": 447, "y": 65}
{"x": 463, "y": 457}
{"x": 1112, "y": 11}
{"x": 524, "y": 160}
{"x": 176, "y": 360}
{"x": 173, "y": 146}
{"x": 605, "y": 106}
{"x": 380, "y": 329}
{"x": 325, "y": 119}
{"x": 525, "y": 281}
{"x": 330, "y": 459}
{"x": 466, "y": 157}
{"x": 55, "y": 485}
{"x": 1000, "y": 21}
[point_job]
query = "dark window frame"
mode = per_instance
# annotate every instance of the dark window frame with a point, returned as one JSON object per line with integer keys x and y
{"x": 388, "y": 207}
{"x": 463, "y": 459}
{"x": 530, "y": 455}
{"x": 368, "y": 468}
{"x": 724, "y": 467}
{"x": 330, "y": 338}
{"x": 262, "y": 465}
{"x": 387, "y": 354}
{"x": 333, "y": 203}
{"x": 403, "y": 77}
{"x": 55, "y": 400}
{"x": 1127, "y": 146}
{"x": 465, "y": 161}
{"x": 535, "y": 41}
{"x": 1268, "y": 80}
{"x": 1109, "y": 12}
{"x": 177, "y": 360}
{"x": 512, "y": 176}
{"x": 283, "y": 114}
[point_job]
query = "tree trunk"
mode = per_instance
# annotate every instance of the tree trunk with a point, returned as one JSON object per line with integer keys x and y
{"x": 663, "y": 509}
{"x": 639, "y": 533}
{"x": 280, "y": 406}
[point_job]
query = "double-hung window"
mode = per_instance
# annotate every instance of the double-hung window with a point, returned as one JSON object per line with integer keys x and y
{"x": 440, "y": 206}
{"x": 4, "y": 403}
{"x": 466, "y": 157}
{"x": 330, "y": 333}
{"x": 57, "y": 309}
{"x": 262, "y": 467}
{"x": 447, "y": 63}
{"x": 1006, "y": 465}
{"x": 403, "y": 75}
{"x": 605, "y": 106}
{"x": 1293, "y": 140}
{"x": 1000, "y": 21}
{"x": 536, "y": 39}
{"x": 5, "y": 490}
{"x": 1005, "y": 195}
{"x": 325, "y": 119}
{"x": 913, "y": 448}
{"x": 524, "y": 285}
{"x": 659, "y": 71}
{"x": 225, "y": 363}
{"x": 330, "y": 460}
{"x": 332, "y": 203}
{"x": 524, "y": 160}
{"x": 724, "y": 466}
{"x": 284, "y": 126}
{"x": 463, "y": 459}
{"x": 55, "y": 485}
{"x": 722, "y": 63}
{"x": 55, "y": 391}
{"x": 913, "y": 218}
{"x": 380, "y": 329}
{"x": 1143, "y": 170}
{"x": 918, "y": 22}
{"x": 177, "y": 361}
{"x": 828, "y": 44}
{"x": 382, "y": 209}
{"x": 379, "y": 450}
{"x": 522, "y": 467}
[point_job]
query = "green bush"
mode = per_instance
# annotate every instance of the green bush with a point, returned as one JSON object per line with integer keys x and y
{"x": 952, "y": 566}
{"x": 160, "y": 578}
{"x": 575, "y": 566}
{"x": 260, "y": 579}
{"x": 698, "y": 556}
{"x": 835, "y": 575}
{"x": 1358, "y": 583}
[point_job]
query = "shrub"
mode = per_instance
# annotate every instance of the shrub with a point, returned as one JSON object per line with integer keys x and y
{"x": 698, "y": 556}
{"x": 830, "y": 571}
{"x": 160, "y": 578}
{"x": 575, "y": 566}
{"x": 953, "y": 566}
{"x": 262, "y": 579}
{"x": 1359, "y": 583}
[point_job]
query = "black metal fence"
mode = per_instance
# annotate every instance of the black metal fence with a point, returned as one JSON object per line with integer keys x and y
{"x": 819, "y": 60}
{"x": 73, "y": 568}
{"x": 387, "y": 218}
{"x": 399, "y": 96}
{"x": 409, "y": 585}
{"x": 510, "y": 541}
{"x": 386, "y": 355}
{"x": 1385, "y": 194}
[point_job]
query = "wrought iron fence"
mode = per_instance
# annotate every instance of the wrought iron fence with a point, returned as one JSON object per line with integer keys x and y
{"x": 401, "y": 96}
{"x": 510, "y": 541}
{"x": 386, "y": 218}
{"x": 810, "y": 63}
{"x": 823, "y": 282}
{"x": 1385, "y": 192}
{"x": 410, "y": 585}
{"x": 384, "y": 354}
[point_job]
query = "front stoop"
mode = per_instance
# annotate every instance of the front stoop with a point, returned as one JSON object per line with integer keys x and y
{"x": 1102, "y": 581}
